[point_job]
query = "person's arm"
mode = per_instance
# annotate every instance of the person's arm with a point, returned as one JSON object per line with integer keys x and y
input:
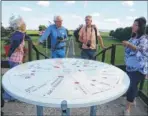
{"x": 100, "y": 39}
{"x": 45, "y": 35}
{"x": 81, "y": 36}
{"x": 129, "y": 45}
{"x": 142, "y": 47}
{"x": 101, "y": 42}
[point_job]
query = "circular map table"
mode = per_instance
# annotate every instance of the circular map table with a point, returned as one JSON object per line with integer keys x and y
{"x": 65, "y": 83}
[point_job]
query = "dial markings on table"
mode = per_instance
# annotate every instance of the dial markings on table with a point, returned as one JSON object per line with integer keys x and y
{"x": 29, "y": 89}
{"x": 89, "y": 68}
{"x": 55, "y": 84}
{"x": 35, "y": 88}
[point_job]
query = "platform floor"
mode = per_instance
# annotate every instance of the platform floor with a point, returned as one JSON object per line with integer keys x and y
{"x": 114, "y": 108}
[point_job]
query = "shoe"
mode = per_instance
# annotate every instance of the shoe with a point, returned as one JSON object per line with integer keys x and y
{"x": 126, "y": 113}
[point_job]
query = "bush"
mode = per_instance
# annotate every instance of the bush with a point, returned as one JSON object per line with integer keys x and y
{"x": 42, "y": 27}
{"x": 121, "y": 33}
{"x": 111, "y": 33}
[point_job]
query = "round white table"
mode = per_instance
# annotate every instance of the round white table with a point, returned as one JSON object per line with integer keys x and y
{"x": 65, "y": 83}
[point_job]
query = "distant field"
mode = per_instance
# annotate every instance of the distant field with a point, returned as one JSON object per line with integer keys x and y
{"x": 32, "y": 32}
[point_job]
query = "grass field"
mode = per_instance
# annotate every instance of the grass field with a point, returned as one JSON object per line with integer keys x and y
{"x": 32, "y": 32}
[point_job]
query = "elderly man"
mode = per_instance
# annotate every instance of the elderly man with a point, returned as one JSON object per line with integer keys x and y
{"x": 87, "y": 36}
{"x": 57, "y": 34}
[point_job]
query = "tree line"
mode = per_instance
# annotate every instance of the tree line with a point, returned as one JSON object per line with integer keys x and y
{"x": 123, "y": 33}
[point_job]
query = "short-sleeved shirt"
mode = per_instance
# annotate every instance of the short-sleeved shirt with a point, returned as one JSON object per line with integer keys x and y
{"x": 18, "y": 55}
{"x": 88, "y": 34}
{"x": 54, "y": 32}
{"x": 137, "y": 60}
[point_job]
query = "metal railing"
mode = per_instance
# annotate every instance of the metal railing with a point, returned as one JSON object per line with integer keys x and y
{"x": 31, "y": 47}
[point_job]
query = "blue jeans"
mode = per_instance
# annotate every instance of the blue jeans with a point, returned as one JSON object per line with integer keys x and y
{"x": 88, "y": 54}
{"x": 58, "y": 53}
{"x": 135, "y": 78}
{"x": 6, "y": 96}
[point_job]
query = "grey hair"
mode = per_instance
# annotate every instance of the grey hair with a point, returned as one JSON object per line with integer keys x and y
{"x": 15, "y": 22}
{"x": 57, "y": 17}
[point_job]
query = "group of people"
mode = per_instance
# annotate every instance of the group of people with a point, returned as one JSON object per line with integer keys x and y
{"x": 136, "y": 48}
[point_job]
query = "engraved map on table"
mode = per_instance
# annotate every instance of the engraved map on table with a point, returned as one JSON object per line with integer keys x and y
{"x": 65, "y": 78}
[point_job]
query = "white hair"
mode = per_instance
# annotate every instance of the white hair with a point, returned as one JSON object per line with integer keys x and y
{"x": 57, "y": 17}
{"x": 15, "y": 22}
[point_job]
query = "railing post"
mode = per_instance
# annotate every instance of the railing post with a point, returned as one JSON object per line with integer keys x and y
{"x": 103, "y": 56}
{"x": 29, "y": 50}
{"x": 37, "y": 56}
{"x": 113, "y": 52}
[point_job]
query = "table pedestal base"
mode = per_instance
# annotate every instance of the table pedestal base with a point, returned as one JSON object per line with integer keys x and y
{"x": 66, "y": 111}
{"x": 39, "y": 110}
{"x": 93, "y": 110}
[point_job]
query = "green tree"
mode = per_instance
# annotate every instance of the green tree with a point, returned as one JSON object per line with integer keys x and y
{"x": 118, "y": 33}
{"x": 42, "y": 27}
{"x": 111, "y": 33}
{"x": 127, "y": 33}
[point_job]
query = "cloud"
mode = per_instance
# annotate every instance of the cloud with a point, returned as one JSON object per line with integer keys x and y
{"x": 85, "y": 4}
{"x": 77, "y": 17}
{"x": 70, "y": 2}
{"x": 132, "y": 10}
{"x": 115, "y": 20}
{"x": 95, "y": 14}
{"x": 43, "y": 3}
{"x": 128, "y": 3}
{"x": 25, "y": 9}
{"x": 131, "y": 17}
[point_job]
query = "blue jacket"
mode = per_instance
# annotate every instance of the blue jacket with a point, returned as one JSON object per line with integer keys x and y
{"x": 16, "y": 39}
{"x": 54, "y": 32}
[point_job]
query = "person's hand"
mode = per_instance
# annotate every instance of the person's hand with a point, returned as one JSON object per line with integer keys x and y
{"x": 125, "y": 43}
{"x": 84, "y": 41}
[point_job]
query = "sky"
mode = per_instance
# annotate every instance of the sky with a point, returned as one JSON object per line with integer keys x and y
{"x": 106, "y": 15}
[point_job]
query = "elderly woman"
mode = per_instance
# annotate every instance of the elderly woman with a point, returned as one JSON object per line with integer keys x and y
{"x": 16, "y": 52}
{"x": 136, "y": 59}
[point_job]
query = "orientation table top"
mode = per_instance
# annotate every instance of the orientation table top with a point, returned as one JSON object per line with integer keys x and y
{"x": 82, "y": 83}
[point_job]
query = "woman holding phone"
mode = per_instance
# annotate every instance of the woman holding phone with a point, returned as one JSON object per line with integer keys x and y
{"x": 136, "y": 59}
